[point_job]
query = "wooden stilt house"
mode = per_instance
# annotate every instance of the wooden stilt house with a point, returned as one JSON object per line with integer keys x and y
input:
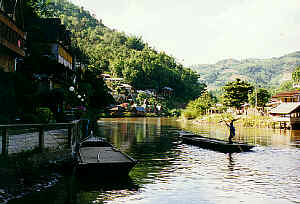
{"x": 287, "y": 115}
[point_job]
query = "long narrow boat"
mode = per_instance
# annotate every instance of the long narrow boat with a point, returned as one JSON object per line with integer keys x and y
{"x": 214, "y": 144}
{"x": 96, "y": 155}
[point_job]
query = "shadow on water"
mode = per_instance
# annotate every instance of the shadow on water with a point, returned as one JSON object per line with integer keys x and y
{"x": 72, "y": 190}
{"x": 230, "y": 162}
{"x": 96, "y": 185}
{"x": 169, "y": 171}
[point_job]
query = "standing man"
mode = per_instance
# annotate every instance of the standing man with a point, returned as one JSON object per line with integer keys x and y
{"x": 231, "y": 130}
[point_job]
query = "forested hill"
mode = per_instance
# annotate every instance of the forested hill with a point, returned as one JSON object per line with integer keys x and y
{"x": 266, "y": 72}
{"x": 122, "y": 55}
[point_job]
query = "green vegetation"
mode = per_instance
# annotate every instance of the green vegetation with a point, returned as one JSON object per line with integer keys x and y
{"x": 264, "y": 72}
{"x": 254, "y": 121}
{"x": 296, "y": 75}
{"x": 107, "y": 50}
{"x": 236, "y": 93}
{"x": 260, "y": 97}
{"x": 98, "y": 49}
{"x": 288, "y": 85}
{"x": 198, "y": 107}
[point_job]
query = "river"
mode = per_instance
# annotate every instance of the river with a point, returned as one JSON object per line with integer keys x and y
{"x": 172, "y": 172}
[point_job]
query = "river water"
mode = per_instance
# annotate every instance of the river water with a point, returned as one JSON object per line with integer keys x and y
{"x": 172, "y": 172}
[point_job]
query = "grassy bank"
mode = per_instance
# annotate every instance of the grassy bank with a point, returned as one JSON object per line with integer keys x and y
{"x": 254, "y": 121}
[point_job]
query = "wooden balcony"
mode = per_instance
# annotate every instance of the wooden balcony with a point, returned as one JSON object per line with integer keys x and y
{"x": 295, "y": 120}
{"x": 12, "y": 47}
{"x": 11, "y": 25}
{"x": 281, "y": 119}
{"x": 11, "y": 37}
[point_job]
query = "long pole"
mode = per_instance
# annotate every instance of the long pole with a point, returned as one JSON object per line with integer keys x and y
{"x": 255, "y": 98}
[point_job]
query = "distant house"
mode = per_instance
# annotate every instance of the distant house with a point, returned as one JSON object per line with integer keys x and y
{"x": 105, "y": 76}
{"x": 167, "y": 91}
{"x": 108, "y": 78}
{"x": 285, "y": 109}
{"x": 287, "y": 96}
{"x": 116, "y": 111}
{"x": 139, "y": 111}
{"x": 287, "y": 114}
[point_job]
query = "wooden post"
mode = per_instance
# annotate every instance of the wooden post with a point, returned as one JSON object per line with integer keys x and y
{"x": 79, "y": 131}
{"x": 70, "y": 133}
{"x": 41, "y": 138}
{"x": 5, "y": 141}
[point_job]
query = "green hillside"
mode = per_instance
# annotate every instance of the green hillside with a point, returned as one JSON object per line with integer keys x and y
{"x": 107, "y": 50}
{"x": 265, "y": 72}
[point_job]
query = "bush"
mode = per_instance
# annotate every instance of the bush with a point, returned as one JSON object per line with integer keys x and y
{"x": 190, "y": 114}
{"x": 29, "y": 118}
{"x": 198, "y": 107}
{"x": 45, "y": 115}
{"x": 174, "y": 112}
{"x": 4, "y": 119}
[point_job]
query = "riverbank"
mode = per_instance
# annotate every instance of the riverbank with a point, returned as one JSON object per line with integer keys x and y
{"x": 254, "y": 121}
{"x": 27, "y": 172}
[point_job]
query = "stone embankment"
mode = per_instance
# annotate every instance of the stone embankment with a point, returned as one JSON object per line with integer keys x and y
{"x": 26, "y": 170}
{"x": 54, "y": 139}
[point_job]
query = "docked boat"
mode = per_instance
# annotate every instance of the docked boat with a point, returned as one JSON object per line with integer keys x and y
{"x": 214, "y": 144}
{"x": 97, "y": 155}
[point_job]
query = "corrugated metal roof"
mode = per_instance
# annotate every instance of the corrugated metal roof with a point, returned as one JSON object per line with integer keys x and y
{"x": 287, "y": 94}
{"x": 285, "y": 108}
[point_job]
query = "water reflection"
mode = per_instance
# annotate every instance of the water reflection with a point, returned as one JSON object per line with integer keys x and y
{"x": 178, "y": 173}
{"x": 172, "y": 172}
{"x": 231, "y": 162}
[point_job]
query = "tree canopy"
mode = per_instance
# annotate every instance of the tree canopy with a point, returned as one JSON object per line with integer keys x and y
{"x": 296, "y": 75}
{"x": 259, "y": 97}
{"x": 236, "y": 93}
{"x": 198, "y": 106}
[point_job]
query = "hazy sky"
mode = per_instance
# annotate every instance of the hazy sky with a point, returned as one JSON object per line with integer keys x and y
{"x": 205, "y": 31}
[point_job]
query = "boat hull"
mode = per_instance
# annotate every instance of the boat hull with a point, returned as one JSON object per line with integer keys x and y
{"x": 106, "y": 170}
{"x": 216, "y": 145}
{"x": 96, "y": 156}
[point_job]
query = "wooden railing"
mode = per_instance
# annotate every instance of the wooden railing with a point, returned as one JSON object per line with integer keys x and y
{"x": 74, "y": 133}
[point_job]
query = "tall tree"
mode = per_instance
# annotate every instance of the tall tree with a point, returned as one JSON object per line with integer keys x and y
{"x": 259, "y": 97}
{"x": 296, "y": 75}
{"x": 236, "y": 93}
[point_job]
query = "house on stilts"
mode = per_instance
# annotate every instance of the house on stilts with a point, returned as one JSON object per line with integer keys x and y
{"x": 287, "y": 115}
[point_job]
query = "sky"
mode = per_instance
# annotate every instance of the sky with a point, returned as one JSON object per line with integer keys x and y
{"x": 206, "y": 31}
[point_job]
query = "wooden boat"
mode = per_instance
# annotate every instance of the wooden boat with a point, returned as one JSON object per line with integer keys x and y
{"x": 214, "y": 144}
{"x": 97, "y": 155}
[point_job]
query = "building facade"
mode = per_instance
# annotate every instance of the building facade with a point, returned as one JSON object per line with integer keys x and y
{"x": 288, "y": 96}
{"x": 12, "y": 36}
{"x": 287, "y": 109}
{"x": 53, "y": 40}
